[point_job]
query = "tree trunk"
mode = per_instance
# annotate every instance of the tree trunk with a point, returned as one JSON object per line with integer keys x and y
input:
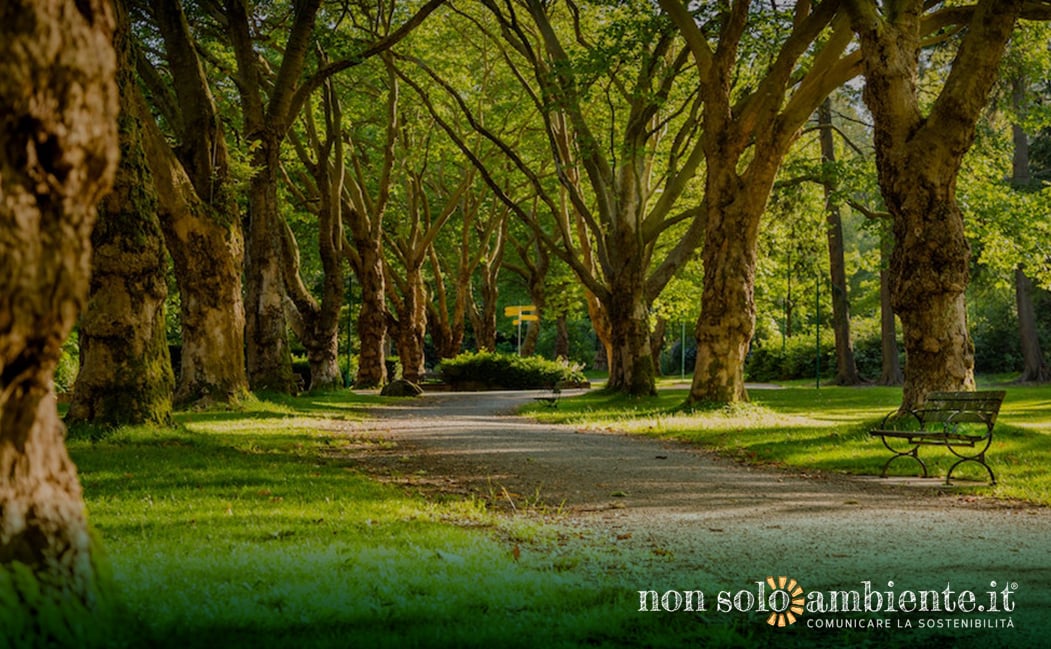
{"x": 891, "y": 365}
{"x": 727, "y": 320}
{"x": 58, "y": 154}
{"x": 125, "y": 373}
{"x": 207, "y": 252}
{"x": 412, "y": 320}
{"x": 269, "y": 357}
{"x": 201, "y": 223}
{"x": 917, "y": 159}
{"x": 561, "y": 337}
{"x": 1034, "y": 370}
{"x": 484, "y": 322}
{"x": 631, "y": 361}
{"x": 372, "y": 319}
{"x": 846, "y": 368}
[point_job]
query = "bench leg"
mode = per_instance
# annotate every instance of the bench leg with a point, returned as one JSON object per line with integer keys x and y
{"x": 980, "y": 459}
{"x": 913, "y": 453}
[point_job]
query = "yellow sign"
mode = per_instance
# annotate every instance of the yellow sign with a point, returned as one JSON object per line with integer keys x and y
{"x": 515, "y": 311}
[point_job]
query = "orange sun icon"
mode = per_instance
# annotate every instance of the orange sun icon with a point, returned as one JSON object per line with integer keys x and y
{"x": 786, "y": 600}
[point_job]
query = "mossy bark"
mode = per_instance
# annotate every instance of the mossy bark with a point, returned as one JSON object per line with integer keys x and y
{"x": 201, "y": 222}
{"x": 125, "y": 370}
{"x": 372, "y": 319}
{"x": 58, "y": 154}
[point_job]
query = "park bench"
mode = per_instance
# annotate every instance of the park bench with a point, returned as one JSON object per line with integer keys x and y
{"x": 961, "y": 421}
{"x": 551, "y": 399}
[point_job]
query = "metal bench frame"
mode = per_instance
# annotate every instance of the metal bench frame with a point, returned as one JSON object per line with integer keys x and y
{"x": 941, "y": 422}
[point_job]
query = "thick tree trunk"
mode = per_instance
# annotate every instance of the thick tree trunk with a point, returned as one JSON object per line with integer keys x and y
{"x": 1034, "y": 370}
{"x": 269, "y": 357}
{"x": 631, "y": 361}
{"x": 891, "y": 373}
{"x": 846, "y": 368}
{"x": 727, "y": 320}
{"x": 201, "y": 223}
{"x": 372, "y": 319}
{"x": 917, "y": 159}
{"x": 929, "y": 273}
{"x": 125, "y": 370}
{"x": 412, "y": 320}
{"x": 58, "y": 154}
{"x": 484, "y": 320}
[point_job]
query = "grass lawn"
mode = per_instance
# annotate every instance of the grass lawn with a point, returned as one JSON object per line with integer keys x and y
{"x": 826, "y": 429}
{"x": 253, "y": 528}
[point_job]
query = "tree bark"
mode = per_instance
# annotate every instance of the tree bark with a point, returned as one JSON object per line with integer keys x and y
{"x": 125, "y": 373}
{"x": 917, "y": 159}
{"x": 269, "y": 358}
{"x": 727, "y": 320}
{"x": 846, "y": 368}
{"x": 58, "y": 155}
{"x": 201, "y": 223}
{"x": 1034, "y": 369}
{"x": 412, "y": 320}
{"x": 372, "y": 319}
{"x": 890, "y": 373}
{"x": 561, "y": 337}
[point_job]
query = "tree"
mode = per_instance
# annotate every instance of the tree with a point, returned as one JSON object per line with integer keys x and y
{"x": 316, "y": 322}
{"x": 755, "y": 103}
{"x": 621, "y": 143}
{"x": 58, "y": 156}
{"x": 267, "y": 116}
{"x": 918, "y": 156}
{"x": 846, "y": 368}
{"x": 199, "y": 213}
{"x": 125, "y": 370}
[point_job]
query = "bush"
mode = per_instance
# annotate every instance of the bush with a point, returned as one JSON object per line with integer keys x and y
{"x": 795, "y": 360}
{"x": 496, "y": 370}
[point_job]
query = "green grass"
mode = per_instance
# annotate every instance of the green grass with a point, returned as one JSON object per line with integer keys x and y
{"x": 826, "y": 429}
{"x": 254, "y": 528}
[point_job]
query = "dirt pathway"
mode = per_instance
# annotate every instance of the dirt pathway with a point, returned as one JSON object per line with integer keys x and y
{"x": 705, "y": 515}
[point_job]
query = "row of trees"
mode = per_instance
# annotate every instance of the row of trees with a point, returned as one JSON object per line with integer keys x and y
{"x": 611, "y": 142}
{"x": 636, "y": 139}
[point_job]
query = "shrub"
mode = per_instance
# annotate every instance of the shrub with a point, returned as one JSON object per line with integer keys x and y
{"x": 496, "y": 370}
{"x": 794, "y": 360}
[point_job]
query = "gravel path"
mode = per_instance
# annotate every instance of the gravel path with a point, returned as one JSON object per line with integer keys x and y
{"x": 705, "y": 515}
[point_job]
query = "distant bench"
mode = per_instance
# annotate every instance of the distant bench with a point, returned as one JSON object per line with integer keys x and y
{"x": 956, "y": 420}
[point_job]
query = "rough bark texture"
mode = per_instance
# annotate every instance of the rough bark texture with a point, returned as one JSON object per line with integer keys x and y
{"x": 412, "y": 320}
{"x": 125, "y": 371}
{"x": 631, "y": 360}
{"x": 58, "y": 154}
{"x": 846, "y": 368}
{"x": 917, "y": 160}
{"x": 207, "y": 252}
{"x": 266, "y": 124}
{"x": 727, "y": 320}
{"x": 372, "y": 319}
{"x": 201, "y": 223}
